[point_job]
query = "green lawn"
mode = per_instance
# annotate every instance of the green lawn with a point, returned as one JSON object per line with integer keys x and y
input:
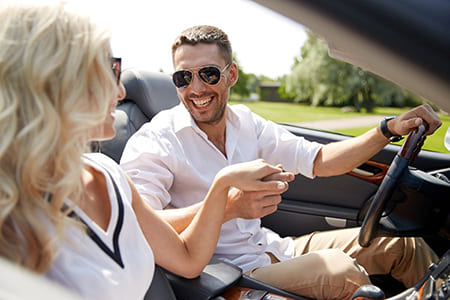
{"x": 292, "y": 113}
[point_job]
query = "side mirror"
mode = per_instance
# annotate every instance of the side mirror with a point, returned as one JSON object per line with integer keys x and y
{"x": 447, "y": 139}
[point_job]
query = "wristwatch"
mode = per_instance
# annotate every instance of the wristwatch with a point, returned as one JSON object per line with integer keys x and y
{"x": 385, "y": 131}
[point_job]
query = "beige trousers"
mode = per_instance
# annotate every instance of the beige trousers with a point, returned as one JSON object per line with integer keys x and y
{"x": 332, "y": 265}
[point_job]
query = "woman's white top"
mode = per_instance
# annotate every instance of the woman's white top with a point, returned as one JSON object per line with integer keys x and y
{"x": 113, "y": 264}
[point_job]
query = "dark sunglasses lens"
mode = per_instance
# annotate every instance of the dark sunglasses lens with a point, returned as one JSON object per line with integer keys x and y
{"x": 117, "y": 68}
{"x": 210, "y": 75}
{"x": 182, "y": 78}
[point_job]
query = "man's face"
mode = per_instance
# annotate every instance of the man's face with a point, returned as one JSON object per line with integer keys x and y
{"x": 206, "y": 103}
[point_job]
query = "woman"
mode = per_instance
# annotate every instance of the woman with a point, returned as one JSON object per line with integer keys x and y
{"x": 77, "y": 218}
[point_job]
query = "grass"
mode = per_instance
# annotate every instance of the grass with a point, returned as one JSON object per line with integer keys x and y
{"x": 293, "y": 113}
{"x": 434, "y": 142}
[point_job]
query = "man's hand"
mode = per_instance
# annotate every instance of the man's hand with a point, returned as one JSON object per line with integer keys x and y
{"x": 417, "y": 116}
{"x": 256, "y": 204}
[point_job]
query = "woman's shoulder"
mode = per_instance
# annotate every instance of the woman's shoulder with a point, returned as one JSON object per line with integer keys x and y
{"x": 111, "y": 169}
{"x": 100, "y": 158}
{"x": 102, "y": 161}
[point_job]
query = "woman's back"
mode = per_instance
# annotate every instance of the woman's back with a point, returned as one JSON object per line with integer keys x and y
{"x": 112, "y": 264}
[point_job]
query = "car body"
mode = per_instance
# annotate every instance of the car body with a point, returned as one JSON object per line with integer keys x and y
{"x": 403, "y": 41}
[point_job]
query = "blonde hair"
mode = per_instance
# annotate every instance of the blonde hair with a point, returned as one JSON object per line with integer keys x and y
{"x": 55, "y": 86}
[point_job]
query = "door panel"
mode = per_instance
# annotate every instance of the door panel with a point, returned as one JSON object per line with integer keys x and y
{"x": 320, "y": 204}
{"x": 336, "y": 202}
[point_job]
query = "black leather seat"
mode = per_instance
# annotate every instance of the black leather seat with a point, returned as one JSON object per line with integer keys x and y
{"x": 147, "y": 94}
{"x": 160, "y": 287}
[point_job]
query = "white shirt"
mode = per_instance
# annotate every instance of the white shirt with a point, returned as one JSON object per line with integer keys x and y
{"x": 83, "y": 267}
{"x": 172, "y": 163}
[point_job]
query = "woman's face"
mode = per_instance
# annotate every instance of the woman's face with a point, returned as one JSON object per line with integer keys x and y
{"x": 106, "y": 131}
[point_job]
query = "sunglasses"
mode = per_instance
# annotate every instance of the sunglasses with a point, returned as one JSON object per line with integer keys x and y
{"x": 116, "y": 66}
{"x": 208, "y": 74}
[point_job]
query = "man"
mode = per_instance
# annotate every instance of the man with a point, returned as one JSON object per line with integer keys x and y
{"x": 173, "y": 160}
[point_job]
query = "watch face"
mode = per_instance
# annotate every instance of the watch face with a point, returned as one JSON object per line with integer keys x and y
{"x": 395, "y": 138}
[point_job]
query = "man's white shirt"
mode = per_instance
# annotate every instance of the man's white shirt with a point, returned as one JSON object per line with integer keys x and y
{"x": 172, "y": 163}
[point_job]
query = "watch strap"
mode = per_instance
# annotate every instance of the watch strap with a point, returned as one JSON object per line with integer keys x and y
{"x": 385, "y": 131}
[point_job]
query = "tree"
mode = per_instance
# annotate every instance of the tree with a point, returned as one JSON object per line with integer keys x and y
{"x": 253, "y": 83}
{"x": 282, "y": 91}
{"x": 241, "y": 88}
{"x": 318, "y": 79}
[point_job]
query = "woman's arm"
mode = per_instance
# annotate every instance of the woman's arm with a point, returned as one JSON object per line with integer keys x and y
{"x": 188, "y": 253}
{"x": 240, "y": 204}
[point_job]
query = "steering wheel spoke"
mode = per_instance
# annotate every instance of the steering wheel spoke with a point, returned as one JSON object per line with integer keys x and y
{"x": 402, "y": 160}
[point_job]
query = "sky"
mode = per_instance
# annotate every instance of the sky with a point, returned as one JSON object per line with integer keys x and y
{"x": 264, "y": 41}
{"x": 149, "y": 31}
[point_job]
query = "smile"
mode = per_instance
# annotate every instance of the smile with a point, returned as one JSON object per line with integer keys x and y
{"x": 202, "y": 102}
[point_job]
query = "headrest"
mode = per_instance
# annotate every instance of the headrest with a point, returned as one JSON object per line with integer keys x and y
{"x": 151, "y": 91}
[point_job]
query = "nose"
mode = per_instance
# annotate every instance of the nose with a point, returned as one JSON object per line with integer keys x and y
{"x": 197, "y": 84}
{"x": 121, "y": 92}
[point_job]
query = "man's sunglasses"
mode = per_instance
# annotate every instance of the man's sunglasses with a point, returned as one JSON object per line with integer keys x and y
{"x": 209, "y": 75}
{"x": 116, "y": 66}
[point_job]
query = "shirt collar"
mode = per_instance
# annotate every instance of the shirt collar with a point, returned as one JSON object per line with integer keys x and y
{"x": 183, "y": 118}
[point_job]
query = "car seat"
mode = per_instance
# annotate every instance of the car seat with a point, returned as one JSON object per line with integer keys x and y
{"x": 147, "y": 94}
{"x": 160, "y": 287}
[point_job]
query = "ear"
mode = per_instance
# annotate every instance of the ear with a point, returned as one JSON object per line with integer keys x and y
{"x": 233, "y": 74}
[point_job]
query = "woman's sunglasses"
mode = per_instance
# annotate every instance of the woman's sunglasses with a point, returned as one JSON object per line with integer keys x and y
{"x": 116, "y": 66}
{"x": 209, "y": 75}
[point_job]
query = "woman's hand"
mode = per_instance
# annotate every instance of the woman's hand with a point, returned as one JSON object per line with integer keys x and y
{"x": 251, "y": 204}
{"x": 255, "y": 175}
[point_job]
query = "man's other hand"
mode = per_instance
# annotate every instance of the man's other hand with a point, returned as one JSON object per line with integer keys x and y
{"x": 256, "y": 204}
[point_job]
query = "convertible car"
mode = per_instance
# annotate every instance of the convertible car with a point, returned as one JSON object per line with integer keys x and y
{"x": 401, "y": 191}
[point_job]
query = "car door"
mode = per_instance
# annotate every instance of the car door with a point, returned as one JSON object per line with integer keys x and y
{"x": 340, "y": 201}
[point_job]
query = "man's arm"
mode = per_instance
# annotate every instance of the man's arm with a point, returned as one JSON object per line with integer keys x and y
{"x": 341, "y": 157}
{"x": 187, "y": 253}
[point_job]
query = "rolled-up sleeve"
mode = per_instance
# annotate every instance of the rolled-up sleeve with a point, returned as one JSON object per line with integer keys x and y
{"x": 143, "y": 161}
{"x": 278, "y": 145}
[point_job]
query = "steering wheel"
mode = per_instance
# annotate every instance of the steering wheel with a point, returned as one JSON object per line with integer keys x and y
{"x": 404, "y": 157}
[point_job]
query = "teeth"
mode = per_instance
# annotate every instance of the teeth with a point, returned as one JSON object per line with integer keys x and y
{"x": 202, "y": 102}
